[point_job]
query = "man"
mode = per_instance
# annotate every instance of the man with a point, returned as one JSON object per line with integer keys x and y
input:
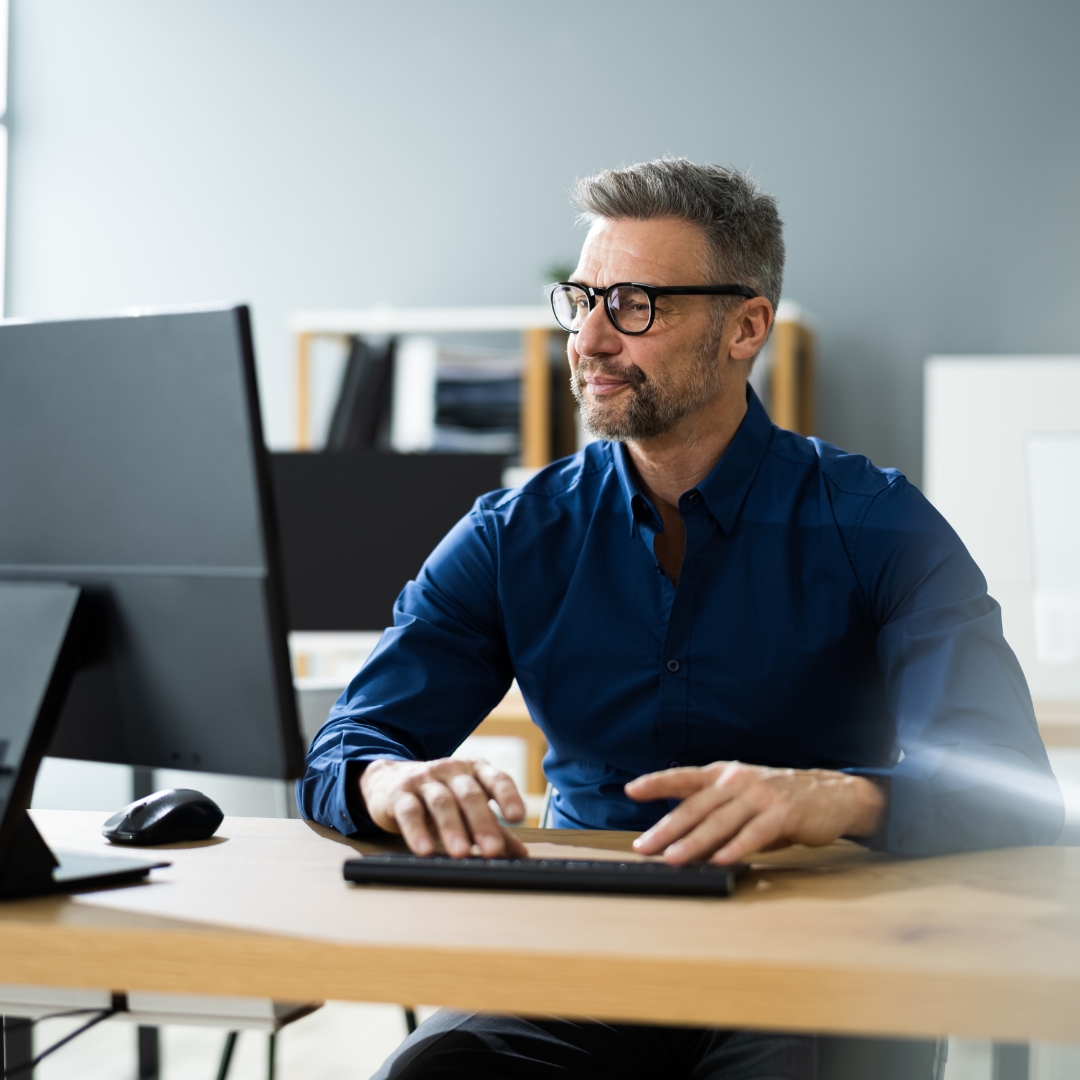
{"x": 733, "y": 637}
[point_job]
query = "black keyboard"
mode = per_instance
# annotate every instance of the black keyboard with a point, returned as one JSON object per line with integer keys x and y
{"x": 543, "y": 875}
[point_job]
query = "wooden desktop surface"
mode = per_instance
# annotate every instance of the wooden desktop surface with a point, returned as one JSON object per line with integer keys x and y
{"x": 838, "y": 939}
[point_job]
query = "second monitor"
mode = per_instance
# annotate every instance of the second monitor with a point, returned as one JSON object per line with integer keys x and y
{"x": 132, "y": 468}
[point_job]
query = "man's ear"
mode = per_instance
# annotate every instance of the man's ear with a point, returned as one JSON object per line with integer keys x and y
{"x": 750, "y": 325}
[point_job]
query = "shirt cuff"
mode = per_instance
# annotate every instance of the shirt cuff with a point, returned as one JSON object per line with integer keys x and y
{"x": 354, "y": 802}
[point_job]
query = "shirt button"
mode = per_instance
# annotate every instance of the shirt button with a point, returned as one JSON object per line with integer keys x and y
{"x": 673, "y": 665}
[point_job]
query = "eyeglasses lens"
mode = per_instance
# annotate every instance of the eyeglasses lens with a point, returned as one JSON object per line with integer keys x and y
{"x": 630, "y": 309}
{"x": 571, "y": 306}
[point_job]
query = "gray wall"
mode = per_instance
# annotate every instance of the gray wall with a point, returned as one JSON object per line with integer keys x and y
{"x": 328, "y": 154}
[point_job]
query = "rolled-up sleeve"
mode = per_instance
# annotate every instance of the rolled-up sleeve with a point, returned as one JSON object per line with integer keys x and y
{"x": 435, "y": 674}
{"x": 972, "y": 772}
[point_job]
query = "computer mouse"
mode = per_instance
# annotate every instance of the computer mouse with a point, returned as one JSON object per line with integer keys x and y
{"x": 166, "y": 817}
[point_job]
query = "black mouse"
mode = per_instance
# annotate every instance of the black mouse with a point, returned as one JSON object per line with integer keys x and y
{"x": 166, "y": 817}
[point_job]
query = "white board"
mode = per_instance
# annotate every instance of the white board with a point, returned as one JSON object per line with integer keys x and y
{"x": 1000, "y": 439}
{"x": 1053, "y": 476}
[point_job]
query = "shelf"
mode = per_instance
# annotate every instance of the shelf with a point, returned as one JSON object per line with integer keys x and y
{"x": 449, "y": 320}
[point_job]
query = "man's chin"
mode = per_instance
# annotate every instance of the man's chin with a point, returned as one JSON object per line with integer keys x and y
{"x": 601, "y": 421}
{"x": 612, "y": 417}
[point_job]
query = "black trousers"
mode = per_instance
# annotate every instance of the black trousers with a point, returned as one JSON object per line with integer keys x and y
{"x": 474, "y": 1046}
{"x": 452, "y": 1045}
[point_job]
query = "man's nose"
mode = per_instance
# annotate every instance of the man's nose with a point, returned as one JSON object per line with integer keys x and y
{"x": 597, "y": 337}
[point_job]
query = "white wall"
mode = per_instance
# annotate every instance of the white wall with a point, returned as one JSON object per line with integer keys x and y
{"x": 336, "y": 153}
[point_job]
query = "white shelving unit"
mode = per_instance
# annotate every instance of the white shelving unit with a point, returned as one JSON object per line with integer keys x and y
{"x": 534, "y": 324}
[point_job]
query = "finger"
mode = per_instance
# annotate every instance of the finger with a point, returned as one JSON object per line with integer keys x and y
{"x": 732, "y": 782}
{"x": 715, "y": 831}
{"x": 678, "y": 822}
{"x": 412, "y": 820}
{"x": 443, "y": 808}
{"x": 481, "y": 822}
{"x": 668, "y": 784}
{"x": 502, "y": 789}
{"x": 762, "y": 832}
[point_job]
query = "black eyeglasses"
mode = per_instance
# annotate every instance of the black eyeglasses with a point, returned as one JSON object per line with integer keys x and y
{"x": 630, "y": 306}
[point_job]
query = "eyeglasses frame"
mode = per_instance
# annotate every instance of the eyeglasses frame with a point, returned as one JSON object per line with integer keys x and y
{"x": 652, "y": 291}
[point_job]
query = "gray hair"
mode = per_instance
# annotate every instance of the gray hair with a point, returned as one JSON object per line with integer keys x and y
{"x": 742, "y": 225}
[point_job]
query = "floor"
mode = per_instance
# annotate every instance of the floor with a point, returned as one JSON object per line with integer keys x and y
{"x": 969, "y": 1059}
{"x": 348, "y": 1042}
{"x": 339, "y": 1042}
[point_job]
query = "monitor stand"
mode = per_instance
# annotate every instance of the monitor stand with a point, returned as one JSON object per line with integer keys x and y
{"x": 41, "y": 628}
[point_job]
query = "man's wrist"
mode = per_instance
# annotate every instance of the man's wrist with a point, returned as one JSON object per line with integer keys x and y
{"x": 366, "y": 777}
{"x": 871, "y": 806}
{"x": 368, "y": 773}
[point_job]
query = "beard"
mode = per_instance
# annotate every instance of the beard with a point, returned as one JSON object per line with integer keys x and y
{"x": 656, "y": 404}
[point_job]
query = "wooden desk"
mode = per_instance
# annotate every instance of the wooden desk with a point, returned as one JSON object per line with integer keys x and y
{"x": 834, "y": 940}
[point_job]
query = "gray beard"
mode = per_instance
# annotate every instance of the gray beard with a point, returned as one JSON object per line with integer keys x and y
{"x": 657, "y": 405}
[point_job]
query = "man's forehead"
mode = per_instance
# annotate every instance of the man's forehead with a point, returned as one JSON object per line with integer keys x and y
{"x": 659, "y": 251}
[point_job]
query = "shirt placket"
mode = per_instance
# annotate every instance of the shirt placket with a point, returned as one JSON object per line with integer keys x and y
{"x": 675, "y": 672}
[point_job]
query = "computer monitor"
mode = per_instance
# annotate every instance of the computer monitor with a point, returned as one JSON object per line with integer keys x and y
{"x": 133, "y": 470}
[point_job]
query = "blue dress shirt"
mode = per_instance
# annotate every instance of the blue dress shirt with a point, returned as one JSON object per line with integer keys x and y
{"x": 826, "y": 616}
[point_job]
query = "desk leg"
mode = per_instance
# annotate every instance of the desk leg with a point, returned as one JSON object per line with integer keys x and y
{"x": 1011, "y": 1061}
{"x": 271, "y": 1057}
{"x": 226, "y": 1055}
{"x": 149, "y": 1043}
{"x": 18, "y": 1046}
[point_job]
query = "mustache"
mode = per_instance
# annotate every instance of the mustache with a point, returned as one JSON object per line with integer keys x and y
{"x": 631, "y": 372}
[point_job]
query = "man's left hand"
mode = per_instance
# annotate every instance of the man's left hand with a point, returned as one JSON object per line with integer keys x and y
{"x": 730, "y": 810}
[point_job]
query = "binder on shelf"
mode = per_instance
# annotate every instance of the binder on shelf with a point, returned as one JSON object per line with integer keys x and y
{"x": 361, "y": 417}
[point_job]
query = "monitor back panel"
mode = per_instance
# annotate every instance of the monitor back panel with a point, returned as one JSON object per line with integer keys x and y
{"x": 132, "y": 463}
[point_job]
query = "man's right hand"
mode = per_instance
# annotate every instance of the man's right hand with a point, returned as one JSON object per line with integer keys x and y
{"x": 447, "y": 799}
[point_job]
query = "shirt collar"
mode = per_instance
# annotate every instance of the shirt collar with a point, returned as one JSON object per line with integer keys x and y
{"x": 725, "y": 489}
{"x": 632, "y": 496}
